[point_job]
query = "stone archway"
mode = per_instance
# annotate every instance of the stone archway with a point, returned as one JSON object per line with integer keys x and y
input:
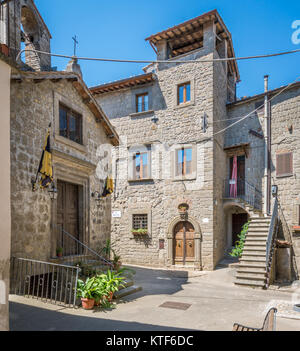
{"x": 197, "y": 237}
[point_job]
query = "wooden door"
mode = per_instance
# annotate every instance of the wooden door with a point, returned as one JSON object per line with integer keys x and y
{"x": 184, "y": 243}
{"x": 68, "y": 216}
{"x": 238, "y": 221}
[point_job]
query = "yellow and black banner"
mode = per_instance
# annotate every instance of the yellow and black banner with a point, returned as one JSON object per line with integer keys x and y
{"x": 45, "y": 167}
{"x": 108, "y": 187}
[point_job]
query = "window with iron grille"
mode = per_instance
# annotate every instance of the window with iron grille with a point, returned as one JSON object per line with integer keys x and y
{"x": 140, "y": 221}
{"x": 284, "y": 164}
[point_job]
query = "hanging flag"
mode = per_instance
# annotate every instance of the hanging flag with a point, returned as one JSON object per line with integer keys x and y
{"x": 45, "y": 167}
{"x": 108, "y": 187}
{"x": 233, "y": 185}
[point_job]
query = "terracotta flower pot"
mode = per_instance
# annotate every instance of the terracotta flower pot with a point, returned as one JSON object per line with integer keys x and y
{"x": 4, "y": 49}
{"x": 88, "y": 304}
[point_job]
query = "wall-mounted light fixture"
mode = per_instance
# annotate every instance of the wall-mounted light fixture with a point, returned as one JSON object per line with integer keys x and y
{"x": 53, "y": 192}
{"x": 274, "y": 190}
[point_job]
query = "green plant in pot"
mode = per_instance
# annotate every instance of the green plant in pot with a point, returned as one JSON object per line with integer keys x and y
{"x": 140, "y": 231}
{"x": 109, "y": 283}
{"x": 59, "y": 252}
{"x": 117, "y": 262}
{"x": 87, "y": 291}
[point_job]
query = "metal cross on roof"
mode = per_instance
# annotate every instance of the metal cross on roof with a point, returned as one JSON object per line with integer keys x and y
{"x": 75, "y": 44}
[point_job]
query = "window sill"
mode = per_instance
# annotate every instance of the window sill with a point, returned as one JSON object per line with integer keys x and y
{"x": 183, "y": 179}
{"x": 296, "y": 228}
{"x": 138, "y": 114}
{"x": 185, "y": 104}
{"x": 71, "y": 143}
{"x": 140, "y": 180}
{"x": 285, "y": 175}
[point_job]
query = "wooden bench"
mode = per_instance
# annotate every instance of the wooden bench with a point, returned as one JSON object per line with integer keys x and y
{"x": 269, "y": 323}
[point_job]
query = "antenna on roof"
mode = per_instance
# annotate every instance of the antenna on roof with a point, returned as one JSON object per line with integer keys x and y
{"x": 75, "y": 44}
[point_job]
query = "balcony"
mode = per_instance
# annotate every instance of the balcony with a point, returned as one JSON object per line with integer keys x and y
{"x": 240, "y": 189}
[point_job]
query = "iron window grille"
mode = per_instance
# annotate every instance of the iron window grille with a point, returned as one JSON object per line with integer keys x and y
{"x": 140, "y": 221}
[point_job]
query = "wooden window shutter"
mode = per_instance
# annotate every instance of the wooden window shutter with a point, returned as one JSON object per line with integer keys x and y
{"x": 284, "y": 164}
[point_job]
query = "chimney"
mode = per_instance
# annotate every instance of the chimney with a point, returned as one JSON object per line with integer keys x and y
{"x": 73, "y": 66}
{"x": 266, "y": 77}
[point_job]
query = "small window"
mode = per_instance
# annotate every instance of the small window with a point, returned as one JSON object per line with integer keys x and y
{"x": 142, "y": 102}
{"x": 140, "y": 221}
{"x": 284, "y": 164}
{"x": 70, "y": 124}
{"x": 183, "y": 162}
{"x": 141, "y": 165}
{"x": 184, "y": 93}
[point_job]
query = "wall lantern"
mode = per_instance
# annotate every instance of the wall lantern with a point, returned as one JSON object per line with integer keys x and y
{"x": 274, "y": 190}
{"x": 53, "y": 192}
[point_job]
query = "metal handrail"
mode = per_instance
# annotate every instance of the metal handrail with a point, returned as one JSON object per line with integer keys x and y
{"x": 245, "y": 191}
{"x": 271, "y": 239}
{"x": 87, "y": 248}
{"x": 44, "y": 281}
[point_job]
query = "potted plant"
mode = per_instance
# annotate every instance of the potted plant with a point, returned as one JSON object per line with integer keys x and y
{"x": 140, "y": 231}
{"x": 109, "y": 283}
{"x": 59, "y": 252}
{"x": 87, "y": 291}
{"x": 237, "y": 251}
{"x": 116, "y": 262}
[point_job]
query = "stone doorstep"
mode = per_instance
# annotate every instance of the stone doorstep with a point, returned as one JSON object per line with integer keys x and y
{"x": 127, "y": 291}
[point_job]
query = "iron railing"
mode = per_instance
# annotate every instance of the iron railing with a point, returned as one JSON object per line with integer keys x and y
{"x": 76, "y": 252}
{"x": 48, "y": 282}
{"x": 288, "y": 237}
{"x": 270, "y": 245}
{"x": 244, "y": 191}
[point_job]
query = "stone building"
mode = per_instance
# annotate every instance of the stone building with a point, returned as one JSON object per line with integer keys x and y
{"x": 43, "y": 100}
{"x": 177, "y": 201}
{"x": 163, "y": 163}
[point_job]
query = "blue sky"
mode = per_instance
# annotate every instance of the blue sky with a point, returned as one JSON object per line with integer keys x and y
{"x": 117, "y": 29}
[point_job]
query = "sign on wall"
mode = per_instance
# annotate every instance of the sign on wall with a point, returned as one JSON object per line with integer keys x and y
{"x": 116, "y": 214}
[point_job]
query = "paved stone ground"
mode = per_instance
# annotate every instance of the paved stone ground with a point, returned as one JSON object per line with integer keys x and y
{"x": 215, "y": 305}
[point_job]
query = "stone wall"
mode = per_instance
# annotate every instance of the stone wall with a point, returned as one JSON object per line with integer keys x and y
{"x": 33, "y": 107}
{"x": 5, "y": 222}
{"x": 175, "y": 124}
{"x": 284, "y": 114}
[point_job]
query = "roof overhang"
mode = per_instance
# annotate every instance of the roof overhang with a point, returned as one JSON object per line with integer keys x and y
{"x": 188, "y": 36}
{"x": 123, "y": 84}
{"x": 237, "y": 149}
{"x": 82, "y": 90}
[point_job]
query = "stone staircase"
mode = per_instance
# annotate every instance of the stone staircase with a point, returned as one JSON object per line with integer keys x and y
{"x": 251, "y": 271}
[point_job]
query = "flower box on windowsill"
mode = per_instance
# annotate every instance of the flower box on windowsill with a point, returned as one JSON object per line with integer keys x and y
{"x": 139, "y": 231}
{"x": 296, "y": 228}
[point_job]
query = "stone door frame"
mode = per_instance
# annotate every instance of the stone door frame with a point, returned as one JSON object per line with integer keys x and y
{"x": 68, "y": 170}
{"x": 197, "y": 238}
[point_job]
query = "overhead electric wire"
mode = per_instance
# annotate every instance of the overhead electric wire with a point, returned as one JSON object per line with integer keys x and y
{"x": 160, "y": 61}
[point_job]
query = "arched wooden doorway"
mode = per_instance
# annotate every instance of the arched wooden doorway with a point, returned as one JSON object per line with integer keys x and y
{"x": 184, "y": 243}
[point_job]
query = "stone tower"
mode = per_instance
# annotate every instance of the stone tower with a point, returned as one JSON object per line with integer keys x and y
{"x": 24, "y": 24}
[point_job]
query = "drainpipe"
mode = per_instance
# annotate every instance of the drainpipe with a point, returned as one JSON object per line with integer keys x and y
{"x": 267, "y": 150}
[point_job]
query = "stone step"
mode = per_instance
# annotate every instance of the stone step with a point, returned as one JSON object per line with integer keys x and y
{"x": 260, "y": 240}
{"x": 264, "y": 228}
{"x": 250, "y": 283}
{"x": 251, "y": 269}
{"x": 251, "y": 276}
{"x": 258, "y": 230}
{"x": 252, "y": 264}
{"x": 252, "y": 258}
{"x": 255, "y": 243}
{"x": 257, "y": 235}
{"x": 127, "y": 291}
{"x": 258, "y": 248}
{"x": 127, "y": 283}
{"x": 254, "y": 254}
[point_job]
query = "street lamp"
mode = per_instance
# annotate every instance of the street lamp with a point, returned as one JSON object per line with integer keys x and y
{"x": 53, "y": 192}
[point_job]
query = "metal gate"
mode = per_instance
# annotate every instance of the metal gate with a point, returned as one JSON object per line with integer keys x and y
{"x": 48, "y": 282}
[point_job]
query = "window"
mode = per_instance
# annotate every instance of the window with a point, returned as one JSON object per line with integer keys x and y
{"x": 183, "y": 162}
{"x": 184, "y": 93}
{"x": 142, "y": 102}
{"x": 141, "y": 165}
{"x": 284, "y": 164}
{"x": 140, "y": 221}
{"x": 70, "y": 124}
